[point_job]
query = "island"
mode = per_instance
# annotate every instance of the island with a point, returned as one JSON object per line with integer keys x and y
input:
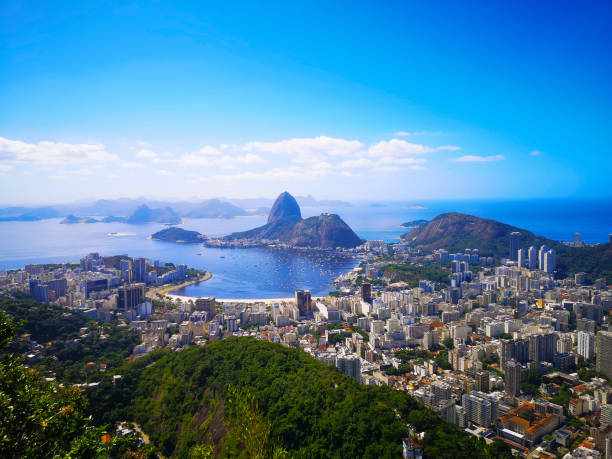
{"x": 72, "y": 220}
{"x": 180, "y": 235}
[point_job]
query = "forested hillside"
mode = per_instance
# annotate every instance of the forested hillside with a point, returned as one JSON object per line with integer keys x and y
{"x": 185, "y": 400}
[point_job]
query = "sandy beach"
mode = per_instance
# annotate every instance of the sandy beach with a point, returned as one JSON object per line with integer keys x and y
{"x": 239, "y": 300}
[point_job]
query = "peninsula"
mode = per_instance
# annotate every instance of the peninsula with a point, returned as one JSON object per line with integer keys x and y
{"x": 286, "y": 227}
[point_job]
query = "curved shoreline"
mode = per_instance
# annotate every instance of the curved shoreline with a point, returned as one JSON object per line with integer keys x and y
{"x": 166, "y": 290}
{"x": 240, "y": 300}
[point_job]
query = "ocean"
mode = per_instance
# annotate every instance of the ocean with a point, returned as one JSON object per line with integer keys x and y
{"x": 263, "y": 273}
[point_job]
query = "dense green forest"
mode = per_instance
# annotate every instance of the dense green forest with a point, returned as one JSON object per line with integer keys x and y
{"x": 311, "y": 410}
{"x": 64, "y": 351}
{"x": 41, "y": 419}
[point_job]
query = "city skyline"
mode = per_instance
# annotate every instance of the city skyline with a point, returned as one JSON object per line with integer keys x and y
{"x": 340, "y": 102}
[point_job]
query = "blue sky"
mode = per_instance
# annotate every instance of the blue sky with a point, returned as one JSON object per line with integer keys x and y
{"x": 347, "y": 100}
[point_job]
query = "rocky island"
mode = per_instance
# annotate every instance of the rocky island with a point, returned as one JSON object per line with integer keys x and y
{"x": 286, "y": 227}
{"x": 178, "y": 235}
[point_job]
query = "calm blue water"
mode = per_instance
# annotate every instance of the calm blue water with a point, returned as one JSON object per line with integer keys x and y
{"x": 260, "y": 273}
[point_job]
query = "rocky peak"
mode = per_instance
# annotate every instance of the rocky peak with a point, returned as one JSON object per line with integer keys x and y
{"x": 284, "y": 206}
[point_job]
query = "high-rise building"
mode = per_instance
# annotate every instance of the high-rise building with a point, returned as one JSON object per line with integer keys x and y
{"x": 441, "y": 391}
{"x": 577, "y": 239}
{"x": 365, "y": 290}
{"x": 605, "y": 417}
{"x": 522, "y": 258}
{"x": 515, "y": 349}
{"x": 586, "y": 344}
{"x": 532, "y": 255}
{"x": 542, "y": 347}
{"x": 130, "y": 296}
{"x": 550, "y": 261}
{"x": 125, "y": 266}
{"x": 541, "y": 252}
{"x": 140, "y": 270}
{"x": 480, "y": 408}
{"x": 208, "y": 304}
{"x": 515, "y": 244}
{"x": 303, "y": 300}
{"x": 512, "y": 378}
{"x": 603, "y": 352}
{"x": 483, "y": 381}
{"x": 349, "y": 365}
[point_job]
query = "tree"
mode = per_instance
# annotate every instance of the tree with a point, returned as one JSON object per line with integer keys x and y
{"x": 448, "y": 343}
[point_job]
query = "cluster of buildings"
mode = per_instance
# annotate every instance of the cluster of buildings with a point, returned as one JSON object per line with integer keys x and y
{"x": 503, "y": 351}
{"x": 99, "y": 286}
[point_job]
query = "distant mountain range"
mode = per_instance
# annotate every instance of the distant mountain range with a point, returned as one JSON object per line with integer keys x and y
{"x": 146, "y": 210}
{"x": 456, "y": 232}
{"x": 285, "y": 224}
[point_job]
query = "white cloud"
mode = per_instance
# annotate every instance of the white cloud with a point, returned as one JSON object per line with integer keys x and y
{"x": 142, "y": 143}
{"x": 307, "y": 146}
{"x": 164, "y": 173}
{"x": 146, "y": 154}
{"x": 398, "y": 147}
{"x": 349, "y": 174}
{"x": 197, "y": 159}
{"x": 409, "y": 134}
{"x": 386, "y": 169}
{"x": 477, "y": 159}
{"x": 54, "y": 152}
{"x": 5, "y": 167}
{"x": 131, "y": 165}
{"x": 81, "y": 172}
{"x": 535, "y": 153}
{"x": 386, "y": 161}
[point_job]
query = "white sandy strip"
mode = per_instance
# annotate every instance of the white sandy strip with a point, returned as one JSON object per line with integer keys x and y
{"x": 238, "y": 300}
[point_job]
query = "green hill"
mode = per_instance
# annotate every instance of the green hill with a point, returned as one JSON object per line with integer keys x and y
{"x": 187, "y": 399}
{"x": 456, "y": 232}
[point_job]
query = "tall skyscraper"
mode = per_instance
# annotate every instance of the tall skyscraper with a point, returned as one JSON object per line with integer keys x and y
{"x": 515, "y": 244}
{"x": 483, "y": 381}
{"x": 603, "y": 351}
{"x": 550, "y": 261}
{"x": 479, "y": 408}
{"x": 515, "y": 349}
{"x": 303, "y": 301}
{"x": 541, "y": 253}
{"x": 577, "y": 239}
{"x": 522, "y": 257}
{"x": 512, "y": 378}
{"x": 532, "y": 255}
{"x": 140, "y": 270}
{"x": 366, "y": 292}
{"x": 542, "y": 347}
{"x": 586, "y": 344}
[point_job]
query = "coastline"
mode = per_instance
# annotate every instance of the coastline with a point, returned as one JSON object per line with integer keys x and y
{"x": 240, "y": 300}
{"x": 165, "y": 290}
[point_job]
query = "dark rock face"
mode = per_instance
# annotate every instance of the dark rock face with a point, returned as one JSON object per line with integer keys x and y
{"x": 284, "y": 206}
